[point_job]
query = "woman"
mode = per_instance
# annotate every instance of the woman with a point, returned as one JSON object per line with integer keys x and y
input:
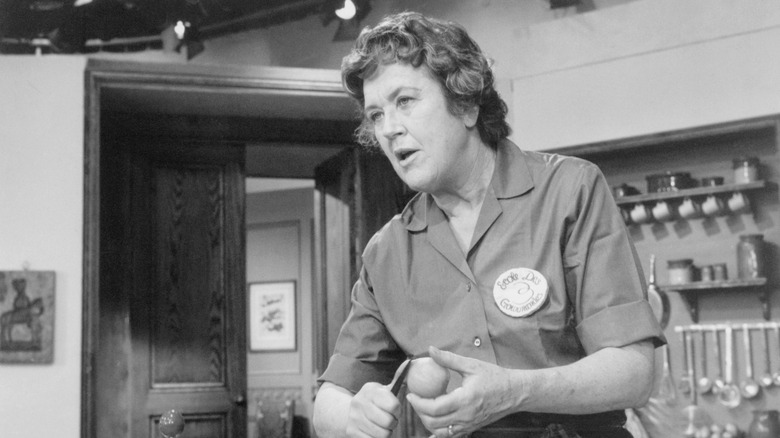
{"x": 513, "y": 269}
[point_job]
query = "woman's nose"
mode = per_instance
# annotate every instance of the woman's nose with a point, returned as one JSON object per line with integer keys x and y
{"x": 392, "y": 126}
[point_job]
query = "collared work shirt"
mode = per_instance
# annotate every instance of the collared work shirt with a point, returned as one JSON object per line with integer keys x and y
{"x": 546, "y": 212}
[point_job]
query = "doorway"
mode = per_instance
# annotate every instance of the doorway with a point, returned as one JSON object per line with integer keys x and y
{"x": 281, "y": 380}
{"x": 213, "y": 109}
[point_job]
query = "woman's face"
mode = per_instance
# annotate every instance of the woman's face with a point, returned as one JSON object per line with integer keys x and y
{"x": 431, "y": 150}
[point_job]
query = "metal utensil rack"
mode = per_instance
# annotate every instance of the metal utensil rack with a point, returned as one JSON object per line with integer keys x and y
{"x": 727, "y": 329}
{"x": 722, "y": 326}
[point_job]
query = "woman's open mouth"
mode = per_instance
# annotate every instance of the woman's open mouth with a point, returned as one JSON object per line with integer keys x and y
{"x": 404, "y": 154}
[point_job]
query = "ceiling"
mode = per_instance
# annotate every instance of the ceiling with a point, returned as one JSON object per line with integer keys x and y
{"x": 84, "y": 26}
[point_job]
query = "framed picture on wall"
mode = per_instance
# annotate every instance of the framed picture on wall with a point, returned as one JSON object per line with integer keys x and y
{"x": 27, "y": 316}
{"x": 272, "y": 322}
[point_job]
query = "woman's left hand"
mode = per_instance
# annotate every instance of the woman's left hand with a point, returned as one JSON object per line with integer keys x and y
{"x": 486, "y": 395}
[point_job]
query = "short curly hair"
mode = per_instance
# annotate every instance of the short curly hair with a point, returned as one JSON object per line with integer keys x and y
{"x": 447, "y": 51}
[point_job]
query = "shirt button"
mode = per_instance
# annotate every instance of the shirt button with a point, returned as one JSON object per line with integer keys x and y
{"x": 468, "y": 287}
{"x": 477, "y": 342}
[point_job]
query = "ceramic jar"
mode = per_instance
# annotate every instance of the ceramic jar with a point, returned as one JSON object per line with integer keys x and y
{"x": 680, "y": 271}
{"x": 745, "y": 170}
{"x": 765, "y": 424}
{"x": 750, "y": 256}
{"x": 719, "y": 272}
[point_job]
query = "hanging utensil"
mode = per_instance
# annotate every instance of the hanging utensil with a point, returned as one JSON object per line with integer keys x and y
{"x": 766, "y": 380}
{"x": 697, "y": 418}
{"x": 749, "y": 388}
{"x": 729, "y": 395}
{"x": 658, "y": 299}
{"x": 667, "y": 391}
{"x": 685, "y": 383}
{"x": 718, "y": 383}
{"x": 704, "y": 383}
{"x": 776, "y": 375}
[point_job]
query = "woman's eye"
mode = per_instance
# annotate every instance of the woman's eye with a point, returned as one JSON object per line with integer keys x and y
{"x": 403, "y": 100}
{"x": 374, "y": 117}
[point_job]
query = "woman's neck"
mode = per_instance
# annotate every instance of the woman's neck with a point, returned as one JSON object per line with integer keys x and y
{"x": 468, "y": 196}
{"x": 462, "y": 206}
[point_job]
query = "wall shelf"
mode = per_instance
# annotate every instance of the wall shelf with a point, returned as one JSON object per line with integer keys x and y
{"x": 690, "y": 292}
{"x": 697, "y": 191}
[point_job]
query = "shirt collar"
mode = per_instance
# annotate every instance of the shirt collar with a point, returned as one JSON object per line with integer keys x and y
{"x": 511, "y": 178}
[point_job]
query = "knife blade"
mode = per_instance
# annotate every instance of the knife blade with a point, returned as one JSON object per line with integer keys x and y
{"x": 400, "y": 376}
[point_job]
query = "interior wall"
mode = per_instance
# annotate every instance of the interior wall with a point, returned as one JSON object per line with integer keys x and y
{"x": 41, "y": 191}
{"x": 643, "y": 68}
{"x": 279, "y": 248}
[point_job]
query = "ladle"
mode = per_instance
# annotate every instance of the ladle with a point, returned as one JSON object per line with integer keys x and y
{"x": 704, "y": 383}
{"x": 750, "y": 388}
{"x": 729, "y": 395}
{"x": 718, "y": 383}
{"x": 693, "y": 411}
{"x": 685, "y": 384}
{"x": 776, "y": 375}
{"x": 767, "y": 380}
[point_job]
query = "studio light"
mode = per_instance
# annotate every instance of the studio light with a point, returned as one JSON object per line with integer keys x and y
{"x": 347, "y": 11}
{"x": 351, "y": 13}
{"x": 189, "y": 38}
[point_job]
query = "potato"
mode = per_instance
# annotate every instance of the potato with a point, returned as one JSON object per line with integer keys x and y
{"x": 426, "y": 378}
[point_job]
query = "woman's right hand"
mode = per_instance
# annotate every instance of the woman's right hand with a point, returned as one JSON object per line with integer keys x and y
{"x": 373, "y": 412}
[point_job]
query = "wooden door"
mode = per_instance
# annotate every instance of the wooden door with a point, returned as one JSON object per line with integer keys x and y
{"x": 357, "y": 192}
{"x": 172, "y": 291}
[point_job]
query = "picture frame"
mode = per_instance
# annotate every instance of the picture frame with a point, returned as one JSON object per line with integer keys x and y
{"x": 27, "y": 316}
{"x": 272, "y": 316}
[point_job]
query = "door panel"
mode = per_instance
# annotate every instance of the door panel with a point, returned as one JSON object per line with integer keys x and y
{"x": 180, "y": 290}
{"x": 188, "y": 281}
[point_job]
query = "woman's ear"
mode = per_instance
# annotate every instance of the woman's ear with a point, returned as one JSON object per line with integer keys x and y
{"x": 470, "y": 117}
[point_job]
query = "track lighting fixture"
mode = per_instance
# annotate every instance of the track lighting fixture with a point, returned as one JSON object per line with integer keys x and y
{"x": 347, "y": 12}
{"x": 189, "y": 38}
{"x": 350, "y": 14}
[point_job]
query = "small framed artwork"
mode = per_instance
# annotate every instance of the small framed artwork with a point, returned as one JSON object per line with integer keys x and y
{"x": 272, "y": 321}
{"x": 26, "y": 316}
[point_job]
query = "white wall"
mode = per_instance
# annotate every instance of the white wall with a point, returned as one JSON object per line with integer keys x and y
{"x": 41, "y": 200}
{"x": 646, "y": 67}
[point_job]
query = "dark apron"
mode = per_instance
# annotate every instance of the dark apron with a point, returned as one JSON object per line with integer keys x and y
{"x": 529, "y": 425}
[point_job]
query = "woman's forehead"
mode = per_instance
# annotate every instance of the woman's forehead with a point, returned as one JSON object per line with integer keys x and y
{"x": 389, "y": 81}
{"x": 395, "y": 74}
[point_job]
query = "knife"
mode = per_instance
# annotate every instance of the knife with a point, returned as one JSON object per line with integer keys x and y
{"x": 400, "y": 376}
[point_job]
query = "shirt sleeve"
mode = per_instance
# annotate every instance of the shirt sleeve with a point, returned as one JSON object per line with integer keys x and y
{"x": 604, "y": 277}
{"x": 365, "y": 351}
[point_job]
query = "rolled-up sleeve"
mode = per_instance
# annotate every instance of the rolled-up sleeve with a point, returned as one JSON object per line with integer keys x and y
{"x": 603, "y": 274}
{"x": 365, "y": 351}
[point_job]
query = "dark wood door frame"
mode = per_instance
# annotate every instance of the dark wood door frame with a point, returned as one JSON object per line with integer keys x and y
{"x": 101, "y": 78}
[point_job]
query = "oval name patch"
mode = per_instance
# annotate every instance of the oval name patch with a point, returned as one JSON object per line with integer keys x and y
{"x": 520, "y": 292}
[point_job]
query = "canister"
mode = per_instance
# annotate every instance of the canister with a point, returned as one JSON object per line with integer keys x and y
{"x": 745, "y": 170}
{"x": 719, "y": 272}
{"x": 680, "y": 271}
{"x": 750, "y": 256}
{"x": 706, "y": 273}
